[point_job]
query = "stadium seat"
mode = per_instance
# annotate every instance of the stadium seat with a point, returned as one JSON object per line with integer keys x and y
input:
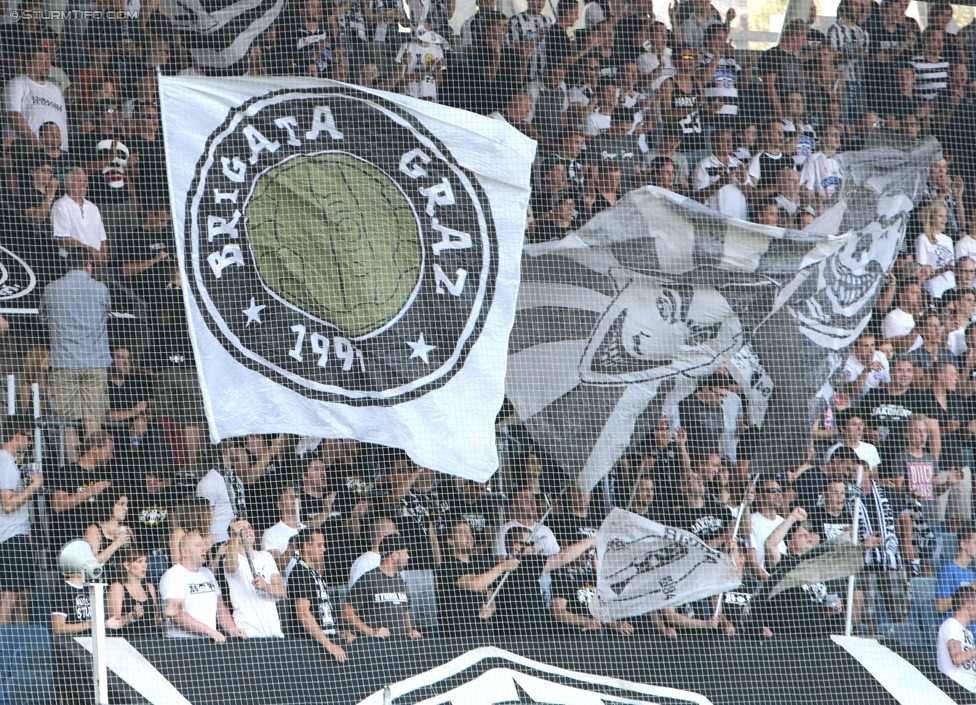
{"x": 29, "y": 689}
{"x": 920, "y": 632}
{"x": 24, "y": 649}
{"x": 923, "y": 597}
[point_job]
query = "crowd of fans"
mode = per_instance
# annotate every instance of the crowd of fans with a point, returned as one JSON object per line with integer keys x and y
{"x": 332, "y": 541}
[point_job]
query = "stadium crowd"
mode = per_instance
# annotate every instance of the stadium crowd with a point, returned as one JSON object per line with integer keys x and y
{"x": 333, "y": 540}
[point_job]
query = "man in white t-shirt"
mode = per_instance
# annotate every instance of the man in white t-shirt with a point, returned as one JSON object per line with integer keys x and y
{"x": 16, "y": 551}
{"x": 956, "y": 648}
{"x": 191, "y": 596}
{"x": 866, "y": 367}
{"x": 30, "y": 100}
{"x": 223, "y": 487}
{"x": 822, "y": 176}
{"x": 769, "y": 501}
{"x": 422, "y": 66}
{"x": 276, "y": 539}
{"x": 76, "y": 222}
{"x": 524, "y": 513}
{"x": 899, "y": 325}
{"x": 718, "y": 176}
{"x": 254, "y": 584}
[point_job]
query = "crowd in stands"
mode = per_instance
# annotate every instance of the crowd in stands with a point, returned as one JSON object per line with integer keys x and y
{"x": 334, "y": 540}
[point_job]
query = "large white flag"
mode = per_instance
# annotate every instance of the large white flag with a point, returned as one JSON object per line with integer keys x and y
{"x": 350, "y": 262}
{"x": 644, "y": 566}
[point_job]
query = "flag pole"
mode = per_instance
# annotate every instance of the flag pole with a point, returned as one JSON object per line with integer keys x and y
{"x": 633, "y": 491}
{"x": 849, "y": 619}
{"x": 525, "y": 544}
{"x": 735, "y": 530}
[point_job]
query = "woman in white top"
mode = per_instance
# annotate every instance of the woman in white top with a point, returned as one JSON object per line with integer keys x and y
{"x": 934, "y": 249}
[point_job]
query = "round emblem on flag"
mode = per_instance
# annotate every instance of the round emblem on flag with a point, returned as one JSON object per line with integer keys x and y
{"x": 338, "y": 248}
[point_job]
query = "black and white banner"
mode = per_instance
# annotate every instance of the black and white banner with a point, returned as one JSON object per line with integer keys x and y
{"x": 350, "y": 261}
{"x": 619, "y": 320}
{"x": 220, "y": 34}
{"x": 18, "y": 284}
{"x": 644, "y": 566}
{"x": 493, "y": 676}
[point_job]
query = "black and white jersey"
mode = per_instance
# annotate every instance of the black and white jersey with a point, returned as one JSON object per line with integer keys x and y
{"x": 723, "y": 83}
{"x": 931, "y": 77}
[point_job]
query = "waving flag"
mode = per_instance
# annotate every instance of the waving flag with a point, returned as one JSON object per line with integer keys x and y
{"x": 643, "y": 566}
{"x": 350, "y": 261}
{"x": 219, "y": 34}
{"x": 620, "y": 319}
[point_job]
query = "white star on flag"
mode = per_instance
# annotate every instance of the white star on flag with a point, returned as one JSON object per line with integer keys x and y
{"x": 420, "y": 349}
{"x": 253, "y": 313}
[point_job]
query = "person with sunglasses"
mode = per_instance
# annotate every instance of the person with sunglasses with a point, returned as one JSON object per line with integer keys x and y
{"x": 769, "y": 503}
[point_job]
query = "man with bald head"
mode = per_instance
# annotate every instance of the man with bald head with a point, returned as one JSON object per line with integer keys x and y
{"x": 76, "y": 222}
{"x": 191, "y": 596}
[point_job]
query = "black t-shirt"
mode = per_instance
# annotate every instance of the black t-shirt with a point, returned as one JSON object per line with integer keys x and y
{"x": 437, "y": 502}
{"x": 770, "y": 165}
{"x": 412, "y": 522}
{"x": 341, "y": 547}
{"x": 135, "y": 455}
{"x": 625, "y": 152}
{"x": 263, "y": 493}
{"x": 458, "y": 608}
{"x": 71, "y": 601}
{"x": 788, "y": 70}
{"x": 559, "y": 46}
{"x": 827, "y": 525}
{"x": 151, "y": 164}
{"x": 704, "y": 424}
{"x": 707, "y": 522}
{"x": 666, "y": 472}
{"x": 150, "y": 516}
{"x": 352, "y": 484}
{"x": 521, "y": 606}
{"x": 737, "y": 604}
{"x": 478, "y": 515}
{"x": 577, "y": 586}
{"x": 135, "y": 388}
{"x": 569, "y": 528}
{"x": 307, "y": 583}
{"x": 959, "y": 409}
{"x": 142, "y": 245}
{"x": 305, "y": 47}
{"x": 887, "y": 414}
{"x": 171, "y": 344}
{"x": 799, "y": 611}
{"x": 74, "y": 479}
{"x": 381, "y": 601}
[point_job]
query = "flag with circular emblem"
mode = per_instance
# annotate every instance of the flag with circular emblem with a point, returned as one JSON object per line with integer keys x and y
{"x": 350, "y": 262}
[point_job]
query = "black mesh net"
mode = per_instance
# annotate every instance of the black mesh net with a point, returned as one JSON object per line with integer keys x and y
{"x": 410, "y": 351}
